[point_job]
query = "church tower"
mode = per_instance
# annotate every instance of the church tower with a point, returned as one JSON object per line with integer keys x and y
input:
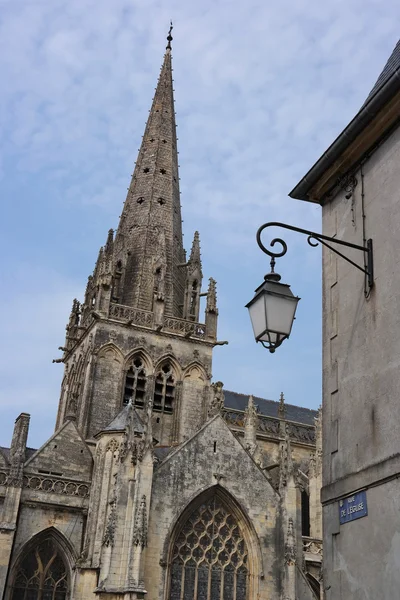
{"x": 137, "y": 333}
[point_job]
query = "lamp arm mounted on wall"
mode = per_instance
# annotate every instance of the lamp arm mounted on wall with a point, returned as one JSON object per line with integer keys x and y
{"x": 318, "y": 238}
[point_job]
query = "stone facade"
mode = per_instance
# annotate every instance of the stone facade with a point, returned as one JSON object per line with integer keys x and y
{"x": 157, "y": 482}
{"x": 358, "y": 187}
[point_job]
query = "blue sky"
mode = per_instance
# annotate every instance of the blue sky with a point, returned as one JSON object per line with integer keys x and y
{"x": 261, "y": 89}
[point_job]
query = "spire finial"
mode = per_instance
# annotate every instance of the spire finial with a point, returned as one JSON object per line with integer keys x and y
{"x": 169, "y": 37}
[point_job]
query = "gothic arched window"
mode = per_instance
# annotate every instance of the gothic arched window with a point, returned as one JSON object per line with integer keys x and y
{"x": 164, "y": 390}
{"x": 209, "y": 558}
{"x": 42, "y": 574}
{"x": 135, "y": 383}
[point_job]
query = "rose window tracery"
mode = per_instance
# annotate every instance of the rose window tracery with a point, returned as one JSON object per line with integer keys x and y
{"x": 210, "y": 560}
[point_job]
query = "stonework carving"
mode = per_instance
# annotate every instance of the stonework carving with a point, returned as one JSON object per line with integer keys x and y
{"x": 281, "y": 407}
{"x": 17, "y": 451}
{"x": 302, "y": 433}
{"x": 250, "y": 426}
{"x": 108, "y": 538}
{"x": 137, "y": 448}
{"x": 212, "y": 296}
{"x": 50, "y": 485}
{"x": 217, "y": 399}
{"x": 140, "y": 529}
{"x": 290, "y": 546}
{"x": 313, "y": 546}
{"x": 271, "y": 426}
{"x": 112, "y": 445}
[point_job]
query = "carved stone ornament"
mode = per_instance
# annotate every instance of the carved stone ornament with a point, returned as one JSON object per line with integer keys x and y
{"x": 217, "y": 399}
{"x": 112, "y": 445}
{"x": 138, "y": 448}
{"x": 112, "y": 335}
{"x": 108, "y": 538}
{"x": 290, "y": 546}
{"x": 140, "y": 529}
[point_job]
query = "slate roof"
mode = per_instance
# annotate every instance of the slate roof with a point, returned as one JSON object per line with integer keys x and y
{"x": 28, "y": 452}
{"x": 269, "y": 408}
{"x": 121, "y": 420}
{"x": 389, "y": 69}
{"x": 162, "y": 452}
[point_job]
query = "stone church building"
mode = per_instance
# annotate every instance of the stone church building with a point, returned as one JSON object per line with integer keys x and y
{"x": 158, "y": 483}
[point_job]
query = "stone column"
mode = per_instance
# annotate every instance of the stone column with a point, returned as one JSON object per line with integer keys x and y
{"x": 9, "y": 515}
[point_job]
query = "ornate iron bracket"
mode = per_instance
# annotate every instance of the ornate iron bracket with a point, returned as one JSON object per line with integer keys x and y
{"x": 317, "y": 238}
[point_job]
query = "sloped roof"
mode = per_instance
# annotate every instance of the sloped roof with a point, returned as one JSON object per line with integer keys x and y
{"x": 162, "y": 452}
{"x": 269, "y": 408}
{"x": 389, "y": 69}
{"x": 121, "y": 420}
{"x": 28, "y": 452}
{"x": 385, "y": 88}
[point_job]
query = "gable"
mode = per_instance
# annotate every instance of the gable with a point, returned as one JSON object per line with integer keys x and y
{"x": 213, "y": 456}
{"x": 65, "y": 454}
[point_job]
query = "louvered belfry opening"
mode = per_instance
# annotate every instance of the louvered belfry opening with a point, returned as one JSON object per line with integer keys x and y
{"x": 210, "y": 558}
{"x": 135, "y": 383}
{"x": 164, "y": 390}
{"x": 41, "y": 574}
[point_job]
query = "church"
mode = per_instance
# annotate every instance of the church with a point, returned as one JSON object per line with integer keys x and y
{"x": 158, "y": 483}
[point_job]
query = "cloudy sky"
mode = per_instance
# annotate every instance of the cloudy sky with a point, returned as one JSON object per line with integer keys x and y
{"x": 261, "y": 89}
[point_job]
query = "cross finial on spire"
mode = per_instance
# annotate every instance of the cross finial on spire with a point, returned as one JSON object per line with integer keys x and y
{"x": 169, "y": 37}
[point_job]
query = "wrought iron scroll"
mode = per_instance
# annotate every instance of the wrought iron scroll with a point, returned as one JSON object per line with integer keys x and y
{"x": 314, "y": 239}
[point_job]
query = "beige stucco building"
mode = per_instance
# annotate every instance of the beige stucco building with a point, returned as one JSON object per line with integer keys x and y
{"x": 157, "y": 482}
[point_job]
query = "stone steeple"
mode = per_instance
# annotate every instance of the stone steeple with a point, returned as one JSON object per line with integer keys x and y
{"x": 148, "y": 243}
{"x": 138, "y": 330}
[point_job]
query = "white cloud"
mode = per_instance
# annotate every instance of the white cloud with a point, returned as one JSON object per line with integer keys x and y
{"x": 261, "y": 90}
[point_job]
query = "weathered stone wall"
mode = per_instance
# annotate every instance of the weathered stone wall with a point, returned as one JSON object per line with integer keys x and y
{"x": 113, "y": 345}
{"x": 361, "y": 378}
{"x": 65, "y": 454}
{"x": 214, "y": 457}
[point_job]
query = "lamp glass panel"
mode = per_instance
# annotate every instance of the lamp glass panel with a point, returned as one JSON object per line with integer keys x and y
{"x": 280, "y": 313}
{"x": 257, "y": 315}
{"x": 269, "y": 337}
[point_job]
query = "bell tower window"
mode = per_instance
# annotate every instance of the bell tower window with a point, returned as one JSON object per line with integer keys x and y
{"x": 164, "y": 390}
{"x": 135, "y": 383}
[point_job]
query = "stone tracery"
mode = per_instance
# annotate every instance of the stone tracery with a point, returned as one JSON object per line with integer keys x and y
{"x": 41, "y": 574}
{"x": 210, "y": 556}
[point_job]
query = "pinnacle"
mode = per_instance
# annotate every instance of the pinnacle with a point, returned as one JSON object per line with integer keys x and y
{"x": 195, "y": 256}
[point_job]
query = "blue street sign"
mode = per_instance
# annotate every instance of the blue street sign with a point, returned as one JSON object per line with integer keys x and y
{"x": 352, "y": 508}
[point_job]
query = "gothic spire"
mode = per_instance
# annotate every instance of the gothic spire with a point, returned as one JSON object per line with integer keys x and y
{"x": 149, "y": 237}
{"x": 194, "y": 261}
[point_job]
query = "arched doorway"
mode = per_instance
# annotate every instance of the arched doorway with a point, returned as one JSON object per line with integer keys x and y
{"x": 209, "y": 559}
{"x": 41, "y": 572}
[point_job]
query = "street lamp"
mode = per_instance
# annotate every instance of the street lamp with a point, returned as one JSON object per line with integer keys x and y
{"x": 273, "y": 308}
